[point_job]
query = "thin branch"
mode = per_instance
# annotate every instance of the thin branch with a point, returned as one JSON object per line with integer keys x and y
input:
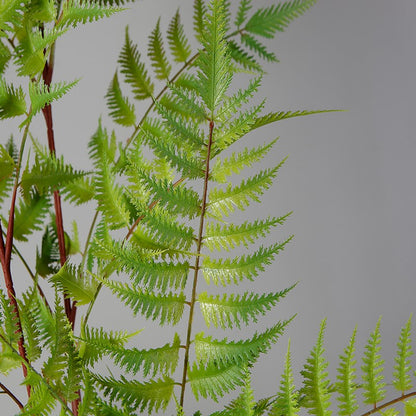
{"x": 389, "y": 403}
{"x": 11, "y": 395}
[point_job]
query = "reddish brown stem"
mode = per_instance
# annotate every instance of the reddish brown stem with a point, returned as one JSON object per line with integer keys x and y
{"x": 389, "y": 403}
{"x": 11, "y": 395}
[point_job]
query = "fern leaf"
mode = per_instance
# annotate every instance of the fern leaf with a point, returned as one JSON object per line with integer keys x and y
{"x": 12, "y": 101}
{"x": 256, "y": 46}
{"x": 78, "y": 191}
{"x": 42, "y": 95}
{"x": 42, "y": 10}
{"x": 178, "y": 43}
{"x": 29, "y": 216}
{"x": 10, "y": 14}
{"x": 243, "y": 9}
{"x": 282, "y": 115}
{"x": 241, "y": 57}
{"x": 75, "y": 284}
{"x": 410, "y": 407}
{"x": 121, "y": 110}
{"x": 402, "y": 368}
{"x": 134, "y": 71}
{"x": 7, "y": 166}
{"x": 47, "y": 259}
{"x": 373, "y": 385}
{"x": 346, "y": 379}
{"x": 229, "y": 311}
{"x": 265, "y": 22}
{"x": 200, "y": 11}
{"x": 244, "y": 351}
{"x": 152, "y": 361}
{"x": 168, "y": 308}
{"x": 215, "y": 379}
{"x": 8, "y": 320}
{"x": 230, "y": 236}
{"x": 316, "y": 382}
{"x": 214, "y": 61}
{"x": 223, "y": 202}
{"x": 287, "y": 398}
{"x": 243, "y": 267}
{"x": 149, "y": 396}
{"x": 75, "y": 12}
{"x": 157, "y": 54}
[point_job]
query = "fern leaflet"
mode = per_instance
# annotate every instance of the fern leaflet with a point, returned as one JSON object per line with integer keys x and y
{"x": 402, "y": 380}
{"x": 157, "y": 54}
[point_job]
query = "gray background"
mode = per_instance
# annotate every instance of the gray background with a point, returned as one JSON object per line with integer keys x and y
{"x": 349, "y": 178}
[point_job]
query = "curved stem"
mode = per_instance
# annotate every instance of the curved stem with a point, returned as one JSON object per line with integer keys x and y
{"x": 11, "y": 395}
{"x": 389, "y": 403}
{"x": 197, "y": 259}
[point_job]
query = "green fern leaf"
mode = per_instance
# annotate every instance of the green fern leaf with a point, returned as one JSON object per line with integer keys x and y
{"x": 410, "y": 407}
{"x": 346, "y": 379}
{"x": 134, "y": 71}
{"x": 223, "y": 202}
{"x": 373, "y": 385}
{"x": 167, "y": 308}
{"x": 178, "y": 43}
{"x": 12, "y": 101}
{"x": 10, "y": 14}
{"x": 243, "y": 9}
{"x": 215, "y": 379}
{"x": 229, "y": 311}
{"x": 316, "y": 382}
{"x": 42, "y": 10}
{"x": 149, "y": 396}
{"x": 230, "y": 236}
{"x": 200, "y": 11}
{"x": 244, "y": 351}
{"x": 7, "y": 164}
{"x": 243, "y": 267}
{"x": 121, "y": 110}
{"x": 256, "y": 46}
{"x": 214, "y": 61}
{"x": 152, "y": 361}
{"x": 265, "y": 22}
{"x": 8, "y": 320}
{"x": 47, "y": 259}
{"x": 157, "y": 54}
{"x": 75, "y": 12}
{"x": 287, "y": 398}
{"x": 402, "y": 368}
{"x": 242, "y": 58}
{"x": 78, "y": 191}
{"x": 42, "y": 95}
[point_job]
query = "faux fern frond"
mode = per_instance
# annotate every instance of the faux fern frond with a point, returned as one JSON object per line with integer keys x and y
{"x": 243, "y": 9}
{"x": 178, "y": 42}
{"x": 121, "y": 110}
{"x": 373, "y": 385}
{"x": 316, "y": 382}
{"x": 222, "y": 202}
{"x": 243, "y": 58}
{"x": 228, "y": 311}
{"x": 229, "y": 236}
{"x": 256, "y": 46}
{"x": 47, "y": 259}
{"x": 265, "y": 22}
{"x": 226, "y": 271}
{"x": 200, "y": 10}
{"x": 215, "y": 379}
{"x": 10, "y": 14}
{"x": 402, "y": 368}
{"x": 134, "y": 71}
{"x": 287, "y": 399}
{"x": 78, "y": 191}
{"x": 245, "y": 351}
{"x": 7, "y": 166}
{"x": 5, "y": 56}
{"x": 12, "y": 101}
{"x": 166, "y": 308}
{"x": 7, "y": 319}
{"x": 157, "y": 54}
{"x": 30, "y": 215}
{"x": 149, "y": 396}
{"x": 346, "y": 385}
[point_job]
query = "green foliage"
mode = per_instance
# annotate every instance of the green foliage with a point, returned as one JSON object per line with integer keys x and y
{"x": 12, "y": 100}
{"x": 402, "y": 380}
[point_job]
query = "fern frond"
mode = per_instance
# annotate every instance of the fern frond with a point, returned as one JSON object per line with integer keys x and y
{"x": 41, "y": 10}
{"x": 200, "y": 10}
{"x": 134, "y": 71}
{"x": 402, "y": 368}
{"x": 10, "y": 14}
{"x": 226, "y": 271}
{"x": 149, "y": 396}
{"x": 12, "y": 101}
{"x": 253, "y": 44}
{"x": 224, "y": 168}
{"x": 229, "y": 311}
{"x": 315, "y": 379}
{"x": 230, "y": 236}
{"x": 373, "y": 385}
{"x": 222, "y": 202}
{"x": 8, "y": 320}
{"x": 215, "y": 379}
{"x": 75, "y": 12}
{"x": 121, "y": 110}
{"x": 346, "y": 379}
{"x": 245, "y": 351}
{"x": 243, "y": 9}
{"x": 167, "y": 308}
{"x": 7, "y": 166}
{"x": 214, "y": 62}
{"x": 178, "y": 43}
{"x": 29, "y": 216}
{"x": 79, "y": 191}
{"x": 152, "y": 361}
{"x": 266, "y": 21}
{"x": 241, "y": 57}
{"x": 157, "y": 54}
{"x": 75, "y": 284}
{"x": 47, "y": 259}
{"x": 287, "y": 399}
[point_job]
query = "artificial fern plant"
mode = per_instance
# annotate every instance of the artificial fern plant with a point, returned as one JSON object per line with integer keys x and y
{"x": 164, "y": 238}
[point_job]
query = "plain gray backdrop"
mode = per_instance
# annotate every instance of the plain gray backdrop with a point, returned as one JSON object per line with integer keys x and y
{"x": 349, "y": 178}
